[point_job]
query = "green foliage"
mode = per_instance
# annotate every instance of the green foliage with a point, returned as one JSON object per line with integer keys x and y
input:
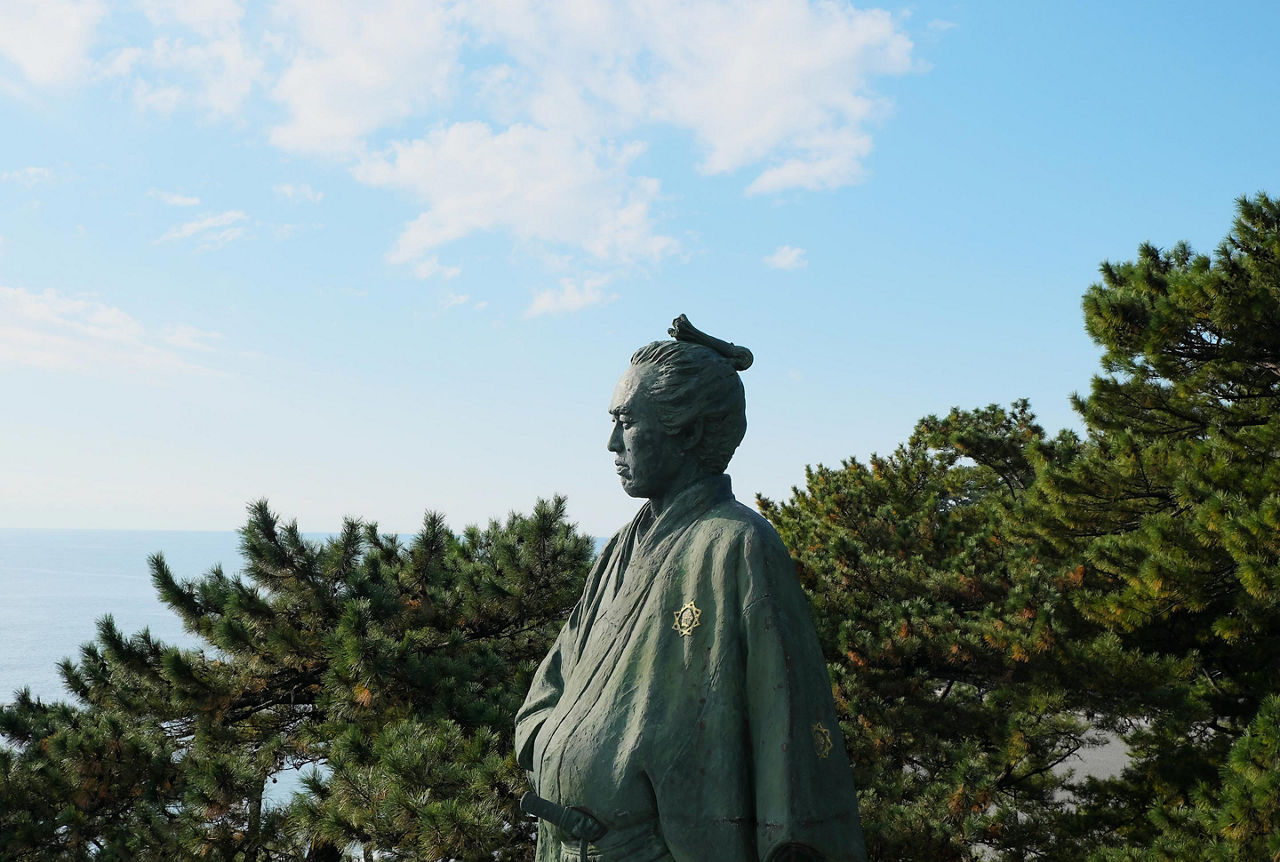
{"x": 398, "y": 667}
{"x": 83, "y": 783}
{"x": 950, "y": 645}
{"x": 1242, "y": 814}
{"x": 1174, "y": 508}
{"x": 990, "y": 601}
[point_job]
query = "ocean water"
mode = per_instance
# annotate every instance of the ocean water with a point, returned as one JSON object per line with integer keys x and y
{"x": 56, "y": 584}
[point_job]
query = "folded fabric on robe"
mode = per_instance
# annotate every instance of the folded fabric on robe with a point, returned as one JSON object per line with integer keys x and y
{"x": 686, "y": 703}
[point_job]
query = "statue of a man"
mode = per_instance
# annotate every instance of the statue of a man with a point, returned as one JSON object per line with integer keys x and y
{"x": 685, "y": 710}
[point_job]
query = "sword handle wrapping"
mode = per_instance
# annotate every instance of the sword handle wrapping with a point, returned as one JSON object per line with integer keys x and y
{"x": 576, "y": 822}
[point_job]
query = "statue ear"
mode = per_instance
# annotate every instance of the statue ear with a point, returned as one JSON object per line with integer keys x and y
{"x": 692, "y": 434}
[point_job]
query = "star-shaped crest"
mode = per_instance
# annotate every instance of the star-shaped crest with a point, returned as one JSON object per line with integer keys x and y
{"x": 821, "y": 740}
{"x": 686, "y": 619}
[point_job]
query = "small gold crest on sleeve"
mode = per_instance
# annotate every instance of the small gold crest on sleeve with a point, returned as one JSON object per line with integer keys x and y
{"x": 686, "y": 619}
{"x": 821, "y": 740}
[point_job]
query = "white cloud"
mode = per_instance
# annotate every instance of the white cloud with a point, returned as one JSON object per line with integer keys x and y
{"x": 775, "y": 85}
{"x": 354, "y": 68}
{"x": 756, "y": 81}
{"x": 217, "y": 239}
{"x": 787, "y": 257}
{"x": 299, "y": 192}
{"x": 227, "y": 71}
{"x": 56, "y": 332}
{"x": 49, "y": 40}
{"x": 161, "y": 100}
{"x": 217, "y": 73}
{"x": 175, "y": 200}
{"x": 941, "y": 25}
{"x": 202, "y": 16}
{"x": 198, "y": 56}
{"x": 190, "y": 338}
{"x": 828, "y": 161}
{"x": 452, "y": 299}
{"x": 520, "y": 116}
{"x": 28, "y": 176}
{"x": 430, "y": 267}
{"x": 544, "y": 186}
{"x": 570, "y": 297}
{"x": 779, "y": 83}
{"x": 122, "y": 62}
{"x": 206, "y": 230}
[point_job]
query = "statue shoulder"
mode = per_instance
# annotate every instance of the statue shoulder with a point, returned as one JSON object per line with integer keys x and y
{"x": 743, "y": 525}
{"x": 747, "y": 552}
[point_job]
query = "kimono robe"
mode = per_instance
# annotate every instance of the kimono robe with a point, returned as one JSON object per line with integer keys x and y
{"x": 686, "y": 703}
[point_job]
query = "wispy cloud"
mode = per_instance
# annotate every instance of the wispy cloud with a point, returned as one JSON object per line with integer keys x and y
{"x": 49, "y": 41}
{"x": 407, "y": 54}
{"x": 199, "y": 55}
{"x": 56, "y": 332}
{"x": 211, "y": 231}
{"x": 159, "y": 99}
{"x": 298, "y": 193}
{"x": 570, "y": 96}
{"x": 561, "y": 101}
{"x": 29, "y": 176}
{"x": 806, "y": 66}
{"x": 451, "y": 299}
{"x": 190, "y": 338}
{"x": 431, "y": 267}
{"x": 542, "y": 186}
{"x": 175, "y": 200}
{"x": 787, "y": 257}
{"x": 217, "y": 239}
{"x": 571, "y": 296}
{"x": 200, "y": 16}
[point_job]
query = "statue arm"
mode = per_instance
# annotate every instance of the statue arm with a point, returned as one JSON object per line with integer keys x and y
{"x": 548, "y": 681}
{"x": 805, "y": 801}
{"x": 544, "y": 696}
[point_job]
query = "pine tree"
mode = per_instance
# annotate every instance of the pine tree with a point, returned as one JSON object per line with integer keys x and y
{"x": 395, "y": 666}
{"x": 80, "y": 784}
{"x": 1174, "y": 509}
{"x": 951, "y": 646}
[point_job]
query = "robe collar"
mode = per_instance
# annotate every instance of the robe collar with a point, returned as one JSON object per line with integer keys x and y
{"x": 682, "y": 509}
{"x": 635, "y": 560}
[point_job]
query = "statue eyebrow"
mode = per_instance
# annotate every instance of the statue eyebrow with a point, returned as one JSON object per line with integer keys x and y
{"x": 624, "y": 410}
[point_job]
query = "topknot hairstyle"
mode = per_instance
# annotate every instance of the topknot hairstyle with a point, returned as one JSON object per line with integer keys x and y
{"x": 695, "y": 379}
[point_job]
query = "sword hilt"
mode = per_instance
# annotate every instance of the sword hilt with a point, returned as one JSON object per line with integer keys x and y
{"x": 576, "y": 822}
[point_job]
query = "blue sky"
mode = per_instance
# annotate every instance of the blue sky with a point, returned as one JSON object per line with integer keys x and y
{"x": 372, "y": 259}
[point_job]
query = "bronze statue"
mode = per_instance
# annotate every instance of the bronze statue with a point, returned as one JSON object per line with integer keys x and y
{"x": 684, "y": 714}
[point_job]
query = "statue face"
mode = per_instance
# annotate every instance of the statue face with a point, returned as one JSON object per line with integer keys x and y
{"x": 648, "y": 459}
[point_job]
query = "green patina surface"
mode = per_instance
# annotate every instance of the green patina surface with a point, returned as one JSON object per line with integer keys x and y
{"x": 686, "y": 703}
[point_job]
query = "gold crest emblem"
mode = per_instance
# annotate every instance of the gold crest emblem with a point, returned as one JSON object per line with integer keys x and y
{"x": 821, "y": 740}
{"x": 686, "y": 619}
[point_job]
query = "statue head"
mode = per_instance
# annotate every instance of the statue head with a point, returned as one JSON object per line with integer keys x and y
{"x": 679, "y": 412}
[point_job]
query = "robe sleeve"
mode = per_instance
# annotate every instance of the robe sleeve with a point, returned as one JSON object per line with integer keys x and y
{"x": 805, "y": 801}
{"x": 544, "y": 695}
